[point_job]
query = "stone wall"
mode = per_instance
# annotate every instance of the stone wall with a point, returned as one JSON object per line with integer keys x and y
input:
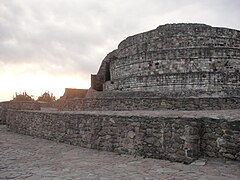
{"x": 163, "y": 94}
{"x": 22, "y": 105}
{"x": 196, "y": 84}
{"x": 174, "y": 137}
{"x": 27, "y": 105}
{"x": 197, "y": 32}
{"x": 176, "y": 58}
{"x": 221, "y": 138}
{"x": 3, "y": 112}
{"x": 126, "y": 101}
{"x": 147, "y": 103}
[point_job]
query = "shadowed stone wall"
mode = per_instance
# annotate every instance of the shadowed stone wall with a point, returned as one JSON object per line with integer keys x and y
{"x": 3, "y": 113}
{"x": 165, "y": 138}
{"x": 128, "y": 104}
{"x": 125, "y": 103}
{"x": 221, "y": 138}
{"x": 25, "y": 105}
{"x": 20, "y": 105}
{"x": 103, "y": 74}
{"x": 177, "y": 138}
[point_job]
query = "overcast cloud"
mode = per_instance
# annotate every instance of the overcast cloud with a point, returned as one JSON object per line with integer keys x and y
{"x": 73, "y": 36}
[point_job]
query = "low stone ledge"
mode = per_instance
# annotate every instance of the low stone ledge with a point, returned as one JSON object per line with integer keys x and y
{"x": 147, "y": 103}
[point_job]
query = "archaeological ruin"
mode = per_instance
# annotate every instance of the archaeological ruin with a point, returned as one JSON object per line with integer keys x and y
{"x": 175, "y": 59}
{"x": 170, "y": 93}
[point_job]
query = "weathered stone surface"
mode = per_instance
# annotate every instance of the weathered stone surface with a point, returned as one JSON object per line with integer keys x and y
{"x": 129, "y": 103}
{"x": 177, "y": 136}
{"x": 3, "y": 113}
{"x": 218, "y": 143}
{"x": 175, "y": 59}
{"x": 148, "y": 103}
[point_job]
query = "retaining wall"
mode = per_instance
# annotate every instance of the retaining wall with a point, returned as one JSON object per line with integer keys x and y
{"x": 127, "y": 104}
{"x": 124, "y": 103}
{"x": 21, "y": 105}
{"x": 177, "y": 138}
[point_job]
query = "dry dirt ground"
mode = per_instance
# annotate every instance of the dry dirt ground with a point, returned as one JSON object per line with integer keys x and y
{"x": 26, "y": 157}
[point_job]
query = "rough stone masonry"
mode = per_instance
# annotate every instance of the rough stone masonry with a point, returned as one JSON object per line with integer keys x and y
{"x": 175, "y": 59}
{"x": 174, "y": 135}
{"x": 172, "y": 93}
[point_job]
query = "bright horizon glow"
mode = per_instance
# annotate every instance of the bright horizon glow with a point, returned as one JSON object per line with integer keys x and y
{"x": 37, "y": 83}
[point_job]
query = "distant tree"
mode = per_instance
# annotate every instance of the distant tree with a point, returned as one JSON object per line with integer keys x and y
{"x": 23, "y": 97}
{"x": 47, "y": 97}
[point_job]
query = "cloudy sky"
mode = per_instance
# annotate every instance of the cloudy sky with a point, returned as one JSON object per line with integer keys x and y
{"x": 47, "y": 45}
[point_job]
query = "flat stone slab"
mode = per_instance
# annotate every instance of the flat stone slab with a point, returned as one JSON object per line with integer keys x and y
{"x": 26, "y": 157}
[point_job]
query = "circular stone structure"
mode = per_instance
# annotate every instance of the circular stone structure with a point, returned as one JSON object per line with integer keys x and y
{"x": 175, "y": 59}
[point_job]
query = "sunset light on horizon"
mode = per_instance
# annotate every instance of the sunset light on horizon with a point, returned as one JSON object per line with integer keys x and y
{"x": 36, "y": 84}
{"x": 30, "y": 78}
